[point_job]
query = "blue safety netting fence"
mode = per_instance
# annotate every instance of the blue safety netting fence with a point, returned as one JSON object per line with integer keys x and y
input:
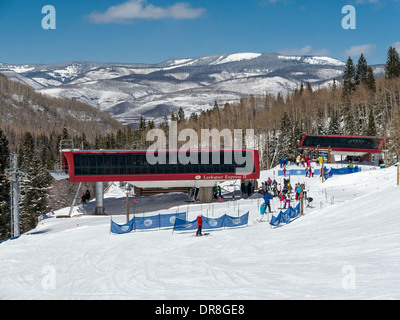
{"x": 285, "y": 217}
{"x": 327, "y": 172}
{"x": 212, "y": 223}
{"x": 147, "y": 223}
{"x": 341, "y": 171}
{"x": 299, "y": 172}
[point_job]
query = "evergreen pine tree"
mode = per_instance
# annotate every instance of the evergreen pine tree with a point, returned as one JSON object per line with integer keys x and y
{"x": 361, "y": 71}
{"x": 128, "y": 138}
{"x": 111, "y": 142}
{"x": 284, "y": 140}
{"x": 296, "y": 136}
{"x": 181, "y": 115}
{"x": 165, "y": 123}
{"x": 334, "y": 125}
{"x": 320, "y": 123}
{"x": 34, "y": 191}
{"x": 279, "y": 99}
{"x": 392, "y": 67}
{"x": 150, "y": 124}
{"x": 349, "y": 121}
{"x": 65, "y": 134}
{"x": 194, "y": 117}
{"x": 370, "y": 81}
{"x": 26, "y": 150}
{"x": 35, "y": 185}
{"x": 273, "y": 149}
{"x": 371, "y": 126}
{"x": 173, "y": 116}
{"x": 309, "y": 88}
{"x": 301, "y": 88}
{"x": 142, "y": 123}
{"x": 349, "y": 74}
{"x": 216, "y": 105}
{"x": 334, "y": 85}
{"x": 120, "y": 139}
{"x": 5, "y": 218}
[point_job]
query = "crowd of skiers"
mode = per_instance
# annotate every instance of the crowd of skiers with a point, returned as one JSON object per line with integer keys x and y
{"x": 285, "y": 193}
{"x": 303, "y": 160}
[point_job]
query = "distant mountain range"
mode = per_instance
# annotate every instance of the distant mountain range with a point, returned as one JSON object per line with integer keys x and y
{"x": 127, "y": 91}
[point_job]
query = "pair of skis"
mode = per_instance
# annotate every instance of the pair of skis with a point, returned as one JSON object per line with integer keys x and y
{"x": 261, "y": 219}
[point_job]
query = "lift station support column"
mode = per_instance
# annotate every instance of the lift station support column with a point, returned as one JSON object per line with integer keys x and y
{"x": 99, "y": 209}
{"x": 205, "y": 194}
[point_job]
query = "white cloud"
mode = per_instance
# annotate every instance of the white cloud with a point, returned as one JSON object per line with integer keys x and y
{"x": 397, "y": 46}
{"x": 378, "y": 3}
{"x": 366, "y": 1}
{"x": 357, "y": 50}
{"x": 131, "y": 10}
{"x": 306, "y": 50}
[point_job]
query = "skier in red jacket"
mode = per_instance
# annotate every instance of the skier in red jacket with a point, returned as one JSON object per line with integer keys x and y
{"x": 200, "y": 225}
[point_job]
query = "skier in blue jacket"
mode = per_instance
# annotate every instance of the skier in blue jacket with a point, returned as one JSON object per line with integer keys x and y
{"x": 262, "y": 211}
{"x": 298, "y": 192}
{"x": 267, "y": 198}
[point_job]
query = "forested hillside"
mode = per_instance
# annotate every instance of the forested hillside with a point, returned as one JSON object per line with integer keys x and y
{"x": 22, "y": 109}
{"x": 32, "y": 125}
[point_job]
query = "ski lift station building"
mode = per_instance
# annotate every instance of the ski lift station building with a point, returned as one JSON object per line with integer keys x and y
{"x": 370, "y": 149}
{"x": 201, "y": 169}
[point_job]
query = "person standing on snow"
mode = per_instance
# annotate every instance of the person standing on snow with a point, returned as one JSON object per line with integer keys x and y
{"x": 249, "y": 185}
{"x": 267, "y": 198}
{"x": 287, "y": 201}
{"x": 200, "y": 226}
{"x": 262, "y": 212}
{"x": 86, "y": 197}
{"x": 298, "y": 192}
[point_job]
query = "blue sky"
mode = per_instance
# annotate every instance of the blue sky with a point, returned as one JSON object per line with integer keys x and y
{"x": 151, "y": 31}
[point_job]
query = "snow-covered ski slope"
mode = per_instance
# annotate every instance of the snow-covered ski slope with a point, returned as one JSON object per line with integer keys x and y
{"x": 346, "y": 247}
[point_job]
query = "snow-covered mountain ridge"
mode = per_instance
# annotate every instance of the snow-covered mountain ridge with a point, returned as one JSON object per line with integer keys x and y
{"x": 128, "y": 91}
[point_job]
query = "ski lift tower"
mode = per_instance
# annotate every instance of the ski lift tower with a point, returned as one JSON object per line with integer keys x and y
{"x": 14, "y": 175}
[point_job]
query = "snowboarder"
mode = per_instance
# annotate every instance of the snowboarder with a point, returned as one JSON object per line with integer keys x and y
{"x": 200, "y": 225}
